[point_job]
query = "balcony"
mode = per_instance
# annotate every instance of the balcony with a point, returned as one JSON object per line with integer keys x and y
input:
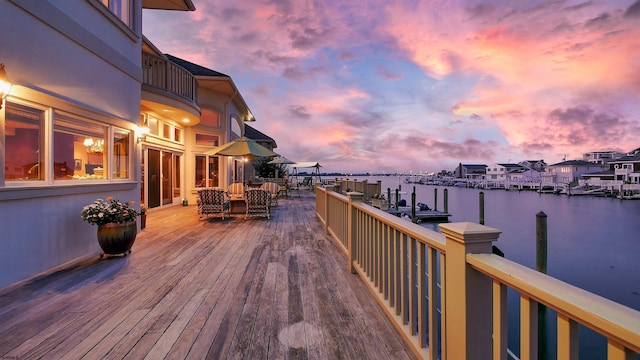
{"x": 169, "y": 89}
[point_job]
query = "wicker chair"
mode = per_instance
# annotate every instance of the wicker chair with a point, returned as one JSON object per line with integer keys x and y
{"x": 258, "y": 203}
{"x": 213, "y": 201}
{"x": 273, "y": 189}
{"x": 236, "y": 190}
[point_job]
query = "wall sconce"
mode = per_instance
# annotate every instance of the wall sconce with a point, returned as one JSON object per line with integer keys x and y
{"x": 5, "y": 85}
{"x": 141, "y": 133}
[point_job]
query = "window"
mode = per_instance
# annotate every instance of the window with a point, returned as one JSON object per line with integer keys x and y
{"x": 166, "y": 131}
{"x": 24, "y": 148}
{"x": 207, "y": 171}
{"x": 121, "y": 158}
{"x": 209, "y": 117}
{"x": 120, "y": 8}
{"x": 79, "y": 149}
{"x": 207, "y": 140}
{"x": 153, "y": 125}
{"x": 49, "y": 145}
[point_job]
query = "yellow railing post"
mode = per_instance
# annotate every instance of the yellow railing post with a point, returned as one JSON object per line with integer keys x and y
{"x": 468, "y": 293}
{"x": 351, "y": 228}
{"x": 326, "y": 210}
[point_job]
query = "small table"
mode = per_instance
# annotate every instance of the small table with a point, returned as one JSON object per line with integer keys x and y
{"x": 238, "y": 205}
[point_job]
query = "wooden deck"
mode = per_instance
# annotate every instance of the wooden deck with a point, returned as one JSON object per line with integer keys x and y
{"x": 194, "y": 289}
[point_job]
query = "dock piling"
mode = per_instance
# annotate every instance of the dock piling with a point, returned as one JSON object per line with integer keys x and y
{"x": 446, "y": 200}
{"x": 413, "y": 206}
{"x": 481, "y": 202}
{"x": 435, "y": 199}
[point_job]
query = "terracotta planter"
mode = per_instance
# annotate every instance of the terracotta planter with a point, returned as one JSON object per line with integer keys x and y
{"x": 117, "y": 238}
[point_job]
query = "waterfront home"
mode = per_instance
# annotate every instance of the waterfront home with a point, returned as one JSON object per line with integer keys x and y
{"x": 70, "y": 124}
{"x": 627, "y": 169}
{"x": 500, "y": 172}
{"x": 568, "y": 171}
{"x": 471, "y": 171}
{"x": 601, "y": 157}
{"x": 539, "y": 165}
{"x": 174, "y": 150}
{"x": 100, "y": 112}
{"x": 522, "y": 175}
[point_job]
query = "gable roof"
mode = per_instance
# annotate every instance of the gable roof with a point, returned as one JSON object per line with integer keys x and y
{"x": 257, "y": 135}
{"x": 195, "y": 69}
{"x": 184, "y": 5}
{"x": 628, "y": 158}
{"x": 575, "y": 163}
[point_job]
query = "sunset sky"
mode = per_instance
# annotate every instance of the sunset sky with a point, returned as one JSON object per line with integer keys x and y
{"x": 411, "y": 85}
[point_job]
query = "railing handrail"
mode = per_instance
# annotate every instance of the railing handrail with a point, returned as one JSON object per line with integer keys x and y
{"x": 163, "y": 74}
{"x": 411, "y": 271}
{"x": 607, "y": 317}
{"x": 423, "y": 235}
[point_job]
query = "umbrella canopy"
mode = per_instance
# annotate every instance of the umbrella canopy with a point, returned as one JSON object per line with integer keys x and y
{"x": 242, "y": 147}
{"x": 281, "y": 160}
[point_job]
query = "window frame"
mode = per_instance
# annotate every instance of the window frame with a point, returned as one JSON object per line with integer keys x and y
{"x": 53, "y": 113}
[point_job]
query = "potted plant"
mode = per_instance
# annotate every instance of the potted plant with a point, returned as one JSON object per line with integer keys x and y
{"x": 116, "y": 222}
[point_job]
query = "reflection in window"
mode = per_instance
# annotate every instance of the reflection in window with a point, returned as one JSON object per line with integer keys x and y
{"x": 153, "y": 125}
{"x": 207, "y": 140}
{"x": 24, "y": 155}
{"x": 79, "y": 151}
{"x": 207, "y": 171}
{"x": 120, "y": 8}
{"x": 121, "y": 159}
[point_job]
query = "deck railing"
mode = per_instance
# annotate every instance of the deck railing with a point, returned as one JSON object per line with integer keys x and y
{"x": 435, "y": 287}
{"x": 160, "y": 73}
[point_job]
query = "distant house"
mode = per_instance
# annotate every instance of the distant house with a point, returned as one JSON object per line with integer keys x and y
{"x": 539, "y": 165}
{"x": 569, "y": 171}
{"x": 262, "y": 139}
{"x": 500, "y": 172}
{"x": 627, "y": 169}
{"x": 471, "y": 171}
{"x": 601, "y": 157}
{"x": 523, "y": 174}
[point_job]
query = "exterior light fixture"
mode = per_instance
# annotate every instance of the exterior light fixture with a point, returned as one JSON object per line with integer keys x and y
{"x": 141, "y": 133}
{"x": 5, "y": 85}
{"x": 249, "y": 118}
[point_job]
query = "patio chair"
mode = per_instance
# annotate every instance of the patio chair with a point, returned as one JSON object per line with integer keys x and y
{"x": 273, "y": 189}
{"x": 236, "y": 190}
{"x": 306, "y": 182}
{"x": 213, "y": 201}
{"x": 258, "y": 203}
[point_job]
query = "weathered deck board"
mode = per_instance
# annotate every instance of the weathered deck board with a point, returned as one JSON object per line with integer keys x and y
{"x": 232, "y": 289}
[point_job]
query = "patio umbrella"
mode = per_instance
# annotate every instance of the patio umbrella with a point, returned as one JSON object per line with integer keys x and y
{"x": 280, "y": 160}
{"x": 242, "y": 146}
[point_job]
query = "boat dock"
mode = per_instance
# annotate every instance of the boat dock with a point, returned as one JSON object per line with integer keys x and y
{"x": 421, "y": 216}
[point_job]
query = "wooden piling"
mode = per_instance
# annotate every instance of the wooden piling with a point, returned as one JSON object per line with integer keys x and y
{"x": 541, "y": 242}
{"x": 446, "y": 200}
{"x": 541, "y": 266}
{"x": 413, "y": 206}
{"x": 435, "y": 199}
{"x": 481, "y": 201}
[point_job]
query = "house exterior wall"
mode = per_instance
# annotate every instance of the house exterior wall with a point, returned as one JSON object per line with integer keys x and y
{"x": 73, "y": 58}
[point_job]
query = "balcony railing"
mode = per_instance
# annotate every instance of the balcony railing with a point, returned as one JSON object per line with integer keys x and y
{"x": 162, "y": 74}
{"x": 446, "y": 293}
